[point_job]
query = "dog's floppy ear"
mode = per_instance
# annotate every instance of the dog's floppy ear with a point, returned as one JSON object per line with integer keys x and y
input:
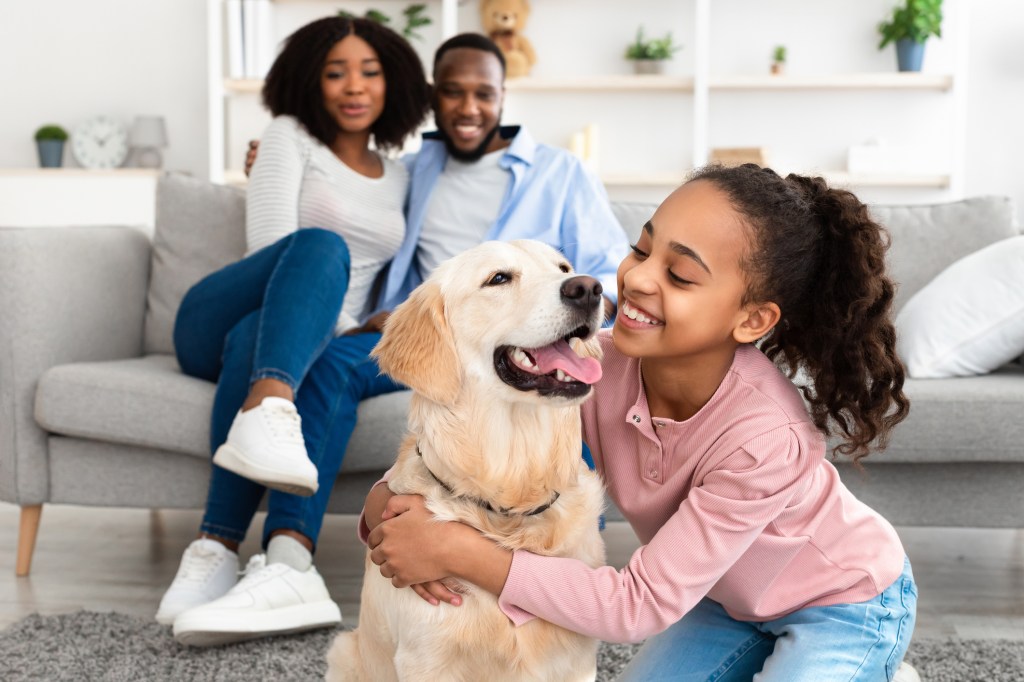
{"x": 418, "y": 349}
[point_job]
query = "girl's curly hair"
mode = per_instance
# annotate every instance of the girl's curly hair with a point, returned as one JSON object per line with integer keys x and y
{"x": 818, "y": 254}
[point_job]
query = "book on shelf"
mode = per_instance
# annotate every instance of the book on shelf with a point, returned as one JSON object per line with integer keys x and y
{"x": 250, "y": 43}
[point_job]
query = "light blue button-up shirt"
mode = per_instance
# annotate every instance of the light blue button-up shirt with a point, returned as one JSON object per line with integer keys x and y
{"x": 552, "y": 198}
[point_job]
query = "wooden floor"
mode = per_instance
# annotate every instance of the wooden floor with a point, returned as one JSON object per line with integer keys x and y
{"x": 971, "y": 580}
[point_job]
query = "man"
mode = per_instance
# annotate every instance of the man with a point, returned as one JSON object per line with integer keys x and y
{"x": 473, "y": 180}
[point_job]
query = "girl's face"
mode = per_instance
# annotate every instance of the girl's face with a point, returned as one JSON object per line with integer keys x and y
{"x": 352, "y": 83}
{"x": 681, "y": 288}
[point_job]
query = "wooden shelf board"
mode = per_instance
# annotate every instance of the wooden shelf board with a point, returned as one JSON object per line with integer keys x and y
{"x": 628, "y": 82}
{"x": 919, "y": 180}
{"x": 847, "y": 81}
{"x": 83, "y": 172}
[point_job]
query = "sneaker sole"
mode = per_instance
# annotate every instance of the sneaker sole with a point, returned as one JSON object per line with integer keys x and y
{"x": 232, "y": 459}
{"x": 213, "y": 628}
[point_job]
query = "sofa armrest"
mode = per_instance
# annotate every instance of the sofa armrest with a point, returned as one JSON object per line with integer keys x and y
{"x": 66, "y": 295}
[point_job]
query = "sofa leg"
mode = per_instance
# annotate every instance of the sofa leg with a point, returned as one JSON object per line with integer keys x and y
{"x": 27, "y": 532}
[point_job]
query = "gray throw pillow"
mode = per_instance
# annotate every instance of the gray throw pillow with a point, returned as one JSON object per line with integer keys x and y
{"x": 200, "y": 227}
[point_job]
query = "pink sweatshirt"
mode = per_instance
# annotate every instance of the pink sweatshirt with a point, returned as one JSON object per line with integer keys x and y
{"x": 737, "y": 503}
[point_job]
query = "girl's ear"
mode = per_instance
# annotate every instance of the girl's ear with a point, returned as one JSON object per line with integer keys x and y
{"x": 757, "y": 320}
{"x": 417, "y": 347}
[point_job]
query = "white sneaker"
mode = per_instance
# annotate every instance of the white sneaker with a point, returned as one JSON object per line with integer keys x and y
{"x": 272, "y": 599}
{"x": 207, "y": 571}
{"x": 265, "y": 445}
{"x": 906, "y": 673}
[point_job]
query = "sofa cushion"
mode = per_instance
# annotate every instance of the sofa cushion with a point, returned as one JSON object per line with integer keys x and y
{"x": 141, "y": 401}
{"x": 969, "y": 320}
{"x": 632, "y": 215}
{"x": 964, "y": 419}
{"x": 148, "y": 402}
{"x": 200, "y": 227}
{"x": 927, "y": 238}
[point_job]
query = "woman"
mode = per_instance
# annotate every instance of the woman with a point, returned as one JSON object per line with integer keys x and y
{"x": 296, "y": 288}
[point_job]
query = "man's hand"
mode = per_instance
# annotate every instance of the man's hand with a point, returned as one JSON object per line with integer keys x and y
{"x": 250, "y": 156}
{"x": 374, "y": 324}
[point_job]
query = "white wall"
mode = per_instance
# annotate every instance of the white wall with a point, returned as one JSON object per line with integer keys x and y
{"x": 65, "y": 60}
{"x": 62, "y": 61}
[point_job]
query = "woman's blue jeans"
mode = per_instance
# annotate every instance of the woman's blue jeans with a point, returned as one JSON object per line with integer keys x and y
{"x": 842, "y": 643}
{"x": 270, "y": 315}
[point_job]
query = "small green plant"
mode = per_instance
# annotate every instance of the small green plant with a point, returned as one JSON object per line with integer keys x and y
{"x": 414, "y": 19}
{"x": 779, "y": 54}
{"x": 52, "y": 132}
{"x": 913, "y": 20}
{"x": 655, "y": 48}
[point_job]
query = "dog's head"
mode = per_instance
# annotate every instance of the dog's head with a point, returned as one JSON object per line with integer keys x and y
{"x": 508, "y": 316}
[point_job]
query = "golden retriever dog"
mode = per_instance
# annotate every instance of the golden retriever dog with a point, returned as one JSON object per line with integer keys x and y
{"x": 499, "y": 348}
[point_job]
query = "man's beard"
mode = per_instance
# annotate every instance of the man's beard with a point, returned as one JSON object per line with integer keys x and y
{"x": 474, "y": 154}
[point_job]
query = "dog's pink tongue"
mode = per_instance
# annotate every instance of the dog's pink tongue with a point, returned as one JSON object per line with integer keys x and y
{"x": 560, "y": 356}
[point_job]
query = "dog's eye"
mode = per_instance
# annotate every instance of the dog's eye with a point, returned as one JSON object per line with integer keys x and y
{"x": 499, "y": 278}
{"x": 564, "y": 267}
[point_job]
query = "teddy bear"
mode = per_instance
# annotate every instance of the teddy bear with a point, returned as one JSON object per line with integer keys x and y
{"x": 503, "y": 21}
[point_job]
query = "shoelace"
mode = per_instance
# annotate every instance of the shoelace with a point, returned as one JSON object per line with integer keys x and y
{"x": 285, "y": 424}
{"x": 257, "y": 566}
{"x": 199, "y": 565}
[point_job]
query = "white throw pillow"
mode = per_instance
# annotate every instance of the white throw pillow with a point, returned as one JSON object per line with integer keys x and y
{"x": 969, "y": 320}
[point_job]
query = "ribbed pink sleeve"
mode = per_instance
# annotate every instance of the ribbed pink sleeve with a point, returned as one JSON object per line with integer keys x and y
{"x": 664, "y": 579}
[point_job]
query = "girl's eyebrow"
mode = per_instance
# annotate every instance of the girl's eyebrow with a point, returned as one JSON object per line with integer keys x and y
{"x": 681, "y": 249}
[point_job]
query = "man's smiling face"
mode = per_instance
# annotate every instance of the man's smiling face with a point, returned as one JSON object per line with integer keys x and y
{"x": 468, "y": 96}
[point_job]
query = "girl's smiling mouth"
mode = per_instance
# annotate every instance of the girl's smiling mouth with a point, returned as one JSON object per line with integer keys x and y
{"x": 638, "y": 315}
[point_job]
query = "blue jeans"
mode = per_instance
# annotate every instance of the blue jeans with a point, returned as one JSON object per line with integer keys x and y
{"x": 270, "y": 315}
{"x": 864, "y": 641}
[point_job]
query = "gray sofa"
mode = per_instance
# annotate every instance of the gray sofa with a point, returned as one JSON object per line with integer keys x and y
{"x": 94, "y": 411}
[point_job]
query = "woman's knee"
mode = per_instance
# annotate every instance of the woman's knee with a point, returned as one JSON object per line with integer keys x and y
{"x": 325, "y": 243}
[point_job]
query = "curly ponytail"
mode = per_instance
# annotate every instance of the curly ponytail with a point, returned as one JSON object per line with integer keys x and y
{"x": 819, "y": 256}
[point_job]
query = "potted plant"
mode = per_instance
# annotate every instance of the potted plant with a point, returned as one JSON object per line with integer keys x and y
{"x": 50, "y": 141}
{"x": 415, "y": 18}
{"x": 910, "y": 25}
{"x": 778, "y": 59}
{"x": 649, "y": 56}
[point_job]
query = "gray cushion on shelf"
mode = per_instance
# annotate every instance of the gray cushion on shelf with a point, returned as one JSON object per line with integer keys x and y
{"x": 200, "y": 227}
{"x": 961, "y": 227}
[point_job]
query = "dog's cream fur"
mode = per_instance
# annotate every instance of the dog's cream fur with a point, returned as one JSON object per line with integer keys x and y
{"x": 488, "y": 441}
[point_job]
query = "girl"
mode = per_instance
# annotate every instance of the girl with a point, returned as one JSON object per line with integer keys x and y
{"x": 756, "y": 559}
{"x": 337, "y": 85}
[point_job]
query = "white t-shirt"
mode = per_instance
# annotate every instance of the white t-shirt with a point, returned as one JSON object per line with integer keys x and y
{"x": 298, "y": 182}
{"x": 461, "y": 209}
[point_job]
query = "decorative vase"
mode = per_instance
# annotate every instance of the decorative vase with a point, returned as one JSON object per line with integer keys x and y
{"x": 648, "y": 66}
{"x": 909, "y": 54}
{"x": 51, "y": 153}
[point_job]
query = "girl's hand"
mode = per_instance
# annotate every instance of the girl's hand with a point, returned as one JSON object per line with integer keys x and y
{"x": 435, "y": 592}
{"x": 410, "y": 545}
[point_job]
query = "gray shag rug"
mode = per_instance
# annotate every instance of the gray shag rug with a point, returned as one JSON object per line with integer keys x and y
{"x": 110, "y": 647}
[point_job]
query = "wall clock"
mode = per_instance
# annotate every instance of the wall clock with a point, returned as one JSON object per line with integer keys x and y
{"x": 100, "y": 142}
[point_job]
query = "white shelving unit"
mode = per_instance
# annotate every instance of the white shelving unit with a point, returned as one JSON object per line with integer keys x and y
{"x": 699, "y": 93}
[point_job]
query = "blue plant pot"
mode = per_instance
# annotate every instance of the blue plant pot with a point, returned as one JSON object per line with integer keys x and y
{"x": 909, "y": 54}
{"x": 51, "y": 153}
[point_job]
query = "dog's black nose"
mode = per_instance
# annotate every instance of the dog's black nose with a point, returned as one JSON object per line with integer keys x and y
{"x": 582, "y": 292}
